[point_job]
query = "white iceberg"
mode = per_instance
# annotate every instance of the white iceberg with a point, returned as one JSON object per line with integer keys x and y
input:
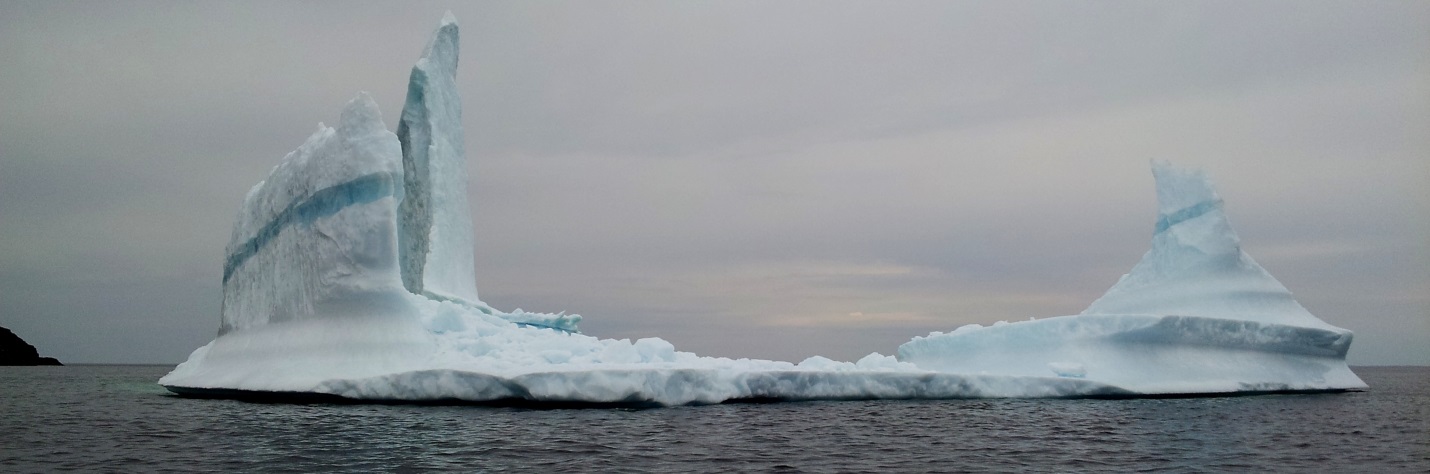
{"x": 435, "y": 225}
{"x": 350, "y": 275}
{"x": 1195, "y": 315}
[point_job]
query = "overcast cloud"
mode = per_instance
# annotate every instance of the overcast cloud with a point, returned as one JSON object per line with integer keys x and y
{"x": 744, "y": 179}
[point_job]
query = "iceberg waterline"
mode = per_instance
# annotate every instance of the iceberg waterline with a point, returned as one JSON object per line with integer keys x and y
{"x": 350, "y": 274}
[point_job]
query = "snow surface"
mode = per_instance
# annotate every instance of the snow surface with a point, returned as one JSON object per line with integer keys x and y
{"x": 350, "y": 274}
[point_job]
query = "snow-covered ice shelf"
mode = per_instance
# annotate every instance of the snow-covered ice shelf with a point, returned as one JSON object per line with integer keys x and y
{"x": 350, "y": 274}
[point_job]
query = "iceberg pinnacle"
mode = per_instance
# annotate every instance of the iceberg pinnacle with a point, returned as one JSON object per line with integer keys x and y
{"x": 436, "y": 234}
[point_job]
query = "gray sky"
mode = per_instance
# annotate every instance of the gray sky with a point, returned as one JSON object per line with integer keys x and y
{"x": 743, "y": 179}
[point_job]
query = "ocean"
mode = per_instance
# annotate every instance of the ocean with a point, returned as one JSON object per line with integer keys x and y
{"x": 115, "y": 418}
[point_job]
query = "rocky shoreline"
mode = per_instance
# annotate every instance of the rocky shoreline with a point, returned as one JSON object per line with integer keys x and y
{"x": 15, "y": 351}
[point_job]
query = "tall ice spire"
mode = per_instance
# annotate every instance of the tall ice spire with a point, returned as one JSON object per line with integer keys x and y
{"x": 436, "y": 235}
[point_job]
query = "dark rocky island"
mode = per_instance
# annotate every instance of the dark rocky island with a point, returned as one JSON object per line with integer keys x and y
{"x": 15, "y": 351}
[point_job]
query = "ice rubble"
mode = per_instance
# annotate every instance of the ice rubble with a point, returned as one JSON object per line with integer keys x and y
{"x": 350, "y": 274}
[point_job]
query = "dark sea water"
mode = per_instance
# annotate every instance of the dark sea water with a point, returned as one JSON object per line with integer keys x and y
{"x": 114, "y": 418}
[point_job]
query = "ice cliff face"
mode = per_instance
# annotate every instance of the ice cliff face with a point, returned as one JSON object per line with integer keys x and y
{"x": 321, "y": 230}
{"x": 436, "y": 225}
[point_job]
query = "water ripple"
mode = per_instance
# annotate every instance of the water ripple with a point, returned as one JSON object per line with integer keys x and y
{"x": 111, "y": 419}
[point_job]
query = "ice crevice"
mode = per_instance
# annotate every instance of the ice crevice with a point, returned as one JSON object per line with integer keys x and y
{"x": 350, "y": 274}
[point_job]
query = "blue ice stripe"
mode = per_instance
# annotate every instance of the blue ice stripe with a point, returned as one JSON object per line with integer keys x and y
{"x": 325, "y": 202}
{"x": 566, "y": 330}
{"x": 1187, "y": 213}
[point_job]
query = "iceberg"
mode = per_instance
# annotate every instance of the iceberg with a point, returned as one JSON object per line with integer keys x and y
{"x": 1195, "y": 315}
{"x": 349, "y": 276}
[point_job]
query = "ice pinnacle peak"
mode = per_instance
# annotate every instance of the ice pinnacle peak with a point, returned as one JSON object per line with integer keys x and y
{"x": 362, "y": 114}
{"x": 1179, "y": 188}
{"x": 1190, "y": 214}
{"x": 443, "y": 48}
{"x": 1183, "y": 195}
{"x": 436, "y": 234}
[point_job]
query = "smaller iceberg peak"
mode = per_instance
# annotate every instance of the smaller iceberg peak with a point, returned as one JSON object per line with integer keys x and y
{"x": 1182, "y": 188}
{"x": 362, "y": 115}
{"x": 1190, "y": 214}
{"x": 1183, "y": 195}
{"x": 1196, "y": 266}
